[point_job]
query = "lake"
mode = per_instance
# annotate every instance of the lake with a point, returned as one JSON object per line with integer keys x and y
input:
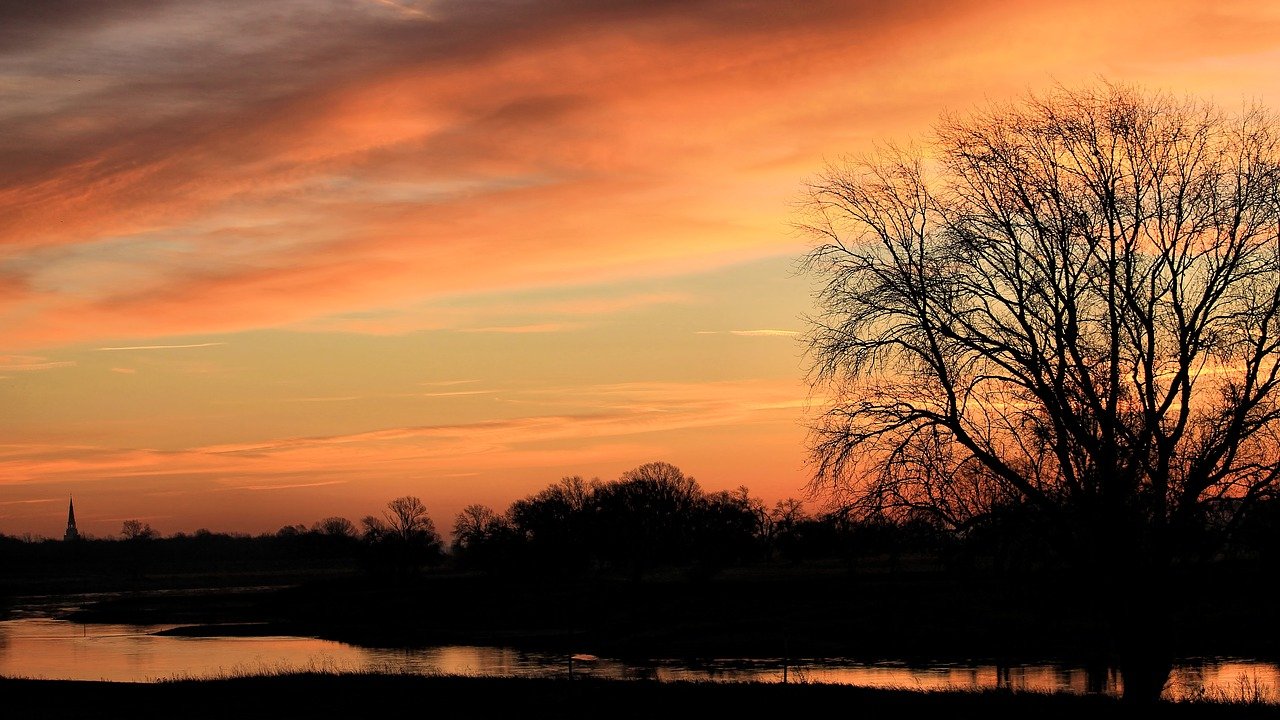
{"x": 35, "y": 643}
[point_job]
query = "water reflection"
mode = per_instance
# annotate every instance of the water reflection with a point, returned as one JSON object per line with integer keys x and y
{"x": 44, "y": 647}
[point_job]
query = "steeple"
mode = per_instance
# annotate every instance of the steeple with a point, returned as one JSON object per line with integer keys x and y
{"x": 72, "y": 533}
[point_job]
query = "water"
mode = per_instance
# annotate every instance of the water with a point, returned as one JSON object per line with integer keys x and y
{"x": 36, "y": 644}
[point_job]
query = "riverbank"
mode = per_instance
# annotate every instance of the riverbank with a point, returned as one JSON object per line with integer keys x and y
{"x": 321, "y": 695}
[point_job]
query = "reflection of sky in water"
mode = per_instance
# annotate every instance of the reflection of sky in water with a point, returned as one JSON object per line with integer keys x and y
{"x": 40, "y": 647}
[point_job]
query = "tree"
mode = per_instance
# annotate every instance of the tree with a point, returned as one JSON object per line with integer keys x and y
{"x": 556, "y": 524}
{"x": 375, "y": 529}
{"x": 405, "y": 534}
{"x": 137, "y": 530}
{"x": 784, "y": 523}
{"x": 483, "y": 539}
{"x": 407, "y": 519}
{"x": 648, "y": 516}
{"x": 1067, "y": 305}
{"x": 334, "y": 527}
{"x": 473, "y": 526}
{"x": 728, "y": 527}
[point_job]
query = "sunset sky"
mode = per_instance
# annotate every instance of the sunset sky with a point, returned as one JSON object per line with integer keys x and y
{"x": 265, "y": 262}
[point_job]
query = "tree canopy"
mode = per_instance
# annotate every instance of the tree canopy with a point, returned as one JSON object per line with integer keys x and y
{"x": 1067, "y": 304}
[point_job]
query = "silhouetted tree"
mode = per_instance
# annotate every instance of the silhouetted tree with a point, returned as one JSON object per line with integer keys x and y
{"x": 486, "y": 540}
{"x": 1070, "y": 303}
{"x": 557, "y": 523}
{"x": 405, "y": 534}
{"x": 473, "y": 526}
{"x": 334, "y": 527}
{"x": 728, "y": 527}
{"x": 137, "y": 530}
{"x": 408, "y": 519}
{"x": 648, "y": 516}
{"x": 374, "y": 528}
{"x": 785, "y": 523}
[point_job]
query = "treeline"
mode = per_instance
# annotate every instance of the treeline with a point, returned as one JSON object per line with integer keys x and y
{"x": 656, "y": 516}
{"x": 653, "y": 516}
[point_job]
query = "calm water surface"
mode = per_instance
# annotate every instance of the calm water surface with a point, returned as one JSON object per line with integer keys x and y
{"x": 36, "y": 644}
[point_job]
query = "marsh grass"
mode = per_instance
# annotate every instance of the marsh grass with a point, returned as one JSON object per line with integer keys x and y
{"x": 1247, "y": 689}
{"x": 321, "y": 690}
{"x": 316, "y": 666}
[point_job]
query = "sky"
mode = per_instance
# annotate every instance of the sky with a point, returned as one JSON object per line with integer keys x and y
{"x": 264, "y": 263}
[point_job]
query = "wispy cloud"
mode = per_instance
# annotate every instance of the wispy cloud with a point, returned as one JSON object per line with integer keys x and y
{"x": 406, "y": 7}
{"x": 29, "y": 363}
{"x": 161, "y": 347}
{"x": 750, "y": 333}
{"x": 523, "y": 329}
{"x": 580, "y": 428}
{"x": 124, "y": 370}
{"x": 290, "y": 486}
{"x": 499, "y": 313}
{"x": 266, "y": 187}
{"x": 609, "y": 305}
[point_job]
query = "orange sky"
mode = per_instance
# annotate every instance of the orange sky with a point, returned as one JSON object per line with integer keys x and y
{"x": 266, "y": 262}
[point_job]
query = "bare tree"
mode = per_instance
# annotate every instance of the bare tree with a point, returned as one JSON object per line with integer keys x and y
{"x": 1069, "y": 304}
{"x": 407, "y": 518}
{"x": 1064, "y": 309}
{"x": 137, "y": 530}
{"x": 334, "y": 527}
{"x": 473, "y": 525}
{"x": 1068, "y": 308}
{"x": 375, "y": 529}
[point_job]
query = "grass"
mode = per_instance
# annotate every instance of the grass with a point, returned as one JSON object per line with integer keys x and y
{"x": 1248, "y": 689}
{"x": 326, "y": 691}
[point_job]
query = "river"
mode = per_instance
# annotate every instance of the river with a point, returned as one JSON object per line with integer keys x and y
{"x": 35, "y": 643}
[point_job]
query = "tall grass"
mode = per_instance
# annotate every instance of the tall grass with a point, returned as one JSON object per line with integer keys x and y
{"x": 314, "y": 666}
{"x": 1248, "y": 689}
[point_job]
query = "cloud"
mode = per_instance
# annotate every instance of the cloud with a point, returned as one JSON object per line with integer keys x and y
{"x": 288, "y": 486}
{"x": 161, "y": 347}
{"x": 617, "y": 410}
{"x": 585, "y": 428}
{"x": 750, "y": 333}
{"x": 29, "y": 363}
{"x": 33, "y": 501}
{"x": 610, "y": 305}
{"x": 411, "y": 8}
{"x": 523, "y": 329}
{"x": 483, "y": 313}
{"x": 353, "y": 158}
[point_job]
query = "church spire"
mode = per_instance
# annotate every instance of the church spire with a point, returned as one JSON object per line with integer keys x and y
{"x": 72, "y": 533}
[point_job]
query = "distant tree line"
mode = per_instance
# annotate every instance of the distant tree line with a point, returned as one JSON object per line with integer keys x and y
{"x": 651, "y": 517}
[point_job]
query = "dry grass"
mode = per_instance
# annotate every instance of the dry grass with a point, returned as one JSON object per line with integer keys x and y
{"x": 1248, "y": 689}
